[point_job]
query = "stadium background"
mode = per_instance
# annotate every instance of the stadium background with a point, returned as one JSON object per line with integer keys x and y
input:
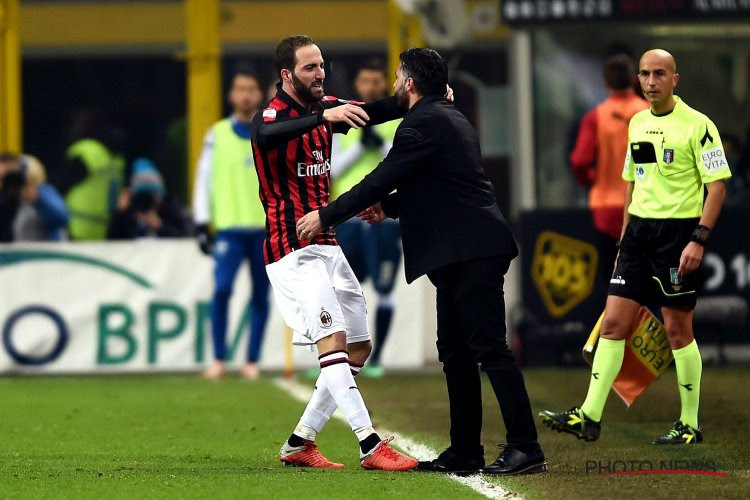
{"x": 523, "y": 77}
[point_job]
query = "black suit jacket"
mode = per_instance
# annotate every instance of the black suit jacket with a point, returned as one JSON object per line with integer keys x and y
{"x": 443, "y": 199}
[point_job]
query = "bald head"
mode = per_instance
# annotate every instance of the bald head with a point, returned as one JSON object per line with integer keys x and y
{"x": 660, "y": 57}
{"x": 658, "y": 76}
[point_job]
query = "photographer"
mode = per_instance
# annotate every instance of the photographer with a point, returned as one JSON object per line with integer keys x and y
{"x": 145, "y": 209}
{"x": 30, "y": 208}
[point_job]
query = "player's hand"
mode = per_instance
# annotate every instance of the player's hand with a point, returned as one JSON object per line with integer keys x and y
{"x": 205, "y": 239}
{"x": 372, "y": 215}
{"x": 352, "y": 115}
{"x": 309, "y": 226}
{"x": 449, "y": 93}
{"x": 691, "y": 258}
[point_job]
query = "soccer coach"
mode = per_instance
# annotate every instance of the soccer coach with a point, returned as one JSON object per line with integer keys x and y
{"x": 453, "y": 231}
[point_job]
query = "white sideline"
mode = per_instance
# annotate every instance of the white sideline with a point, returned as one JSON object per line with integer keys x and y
{"x": 419, "y": 451}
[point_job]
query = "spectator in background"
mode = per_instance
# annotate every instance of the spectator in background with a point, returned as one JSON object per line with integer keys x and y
{"x": 11, "y": 183}
{"x": 90, "y": 179}
{"x": 42, "y": 214}
{"x": 226, "y": 197}
{"x": 372, "y": 250}
{"x": 145, "y": 209}
{"x": 599, "y": 153}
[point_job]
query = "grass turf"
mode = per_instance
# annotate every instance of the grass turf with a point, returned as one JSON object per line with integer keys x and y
{"x": 419, "y": 408}
{"x": 181, "y": 437}
{"x": 174, "y": 437}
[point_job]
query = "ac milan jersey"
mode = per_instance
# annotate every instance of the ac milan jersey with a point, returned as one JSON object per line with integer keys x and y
{"x": 292, "y": 151}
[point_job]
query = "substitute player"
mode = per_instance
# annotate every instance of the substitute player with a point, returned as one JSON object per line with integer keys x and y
{"x": 675, "y": 154}
{"x": 225, "y": 196}
{"x": 373, "y": 251}
{"x": 314, "y": 287}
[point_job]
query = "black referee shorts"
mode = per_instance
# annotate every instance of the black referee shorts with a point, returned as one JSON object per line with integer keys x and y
{"x": 646, "y": 268}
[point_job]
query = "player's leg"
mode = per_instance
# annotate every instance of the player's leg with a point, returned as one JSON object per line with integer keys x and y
{"x": 321, "y": 406}
{"x": 383, "y": 260}
{"x": 259, "y": 305}
{"x": 289, "y": 280}
{"x": 375, "y": 453}
{"x": 228, "y": 256}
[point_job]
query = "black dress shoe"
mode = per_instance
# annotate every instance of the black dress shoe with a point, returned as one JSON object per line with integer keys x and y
{"x": 450, "y": 462}
{"x": 513, "y": 461}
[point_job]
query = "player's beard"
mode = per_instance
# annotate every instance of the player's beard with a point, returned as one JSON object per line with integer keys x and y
{"x": 306, "y": 93}
{"x": 402, "y": 98}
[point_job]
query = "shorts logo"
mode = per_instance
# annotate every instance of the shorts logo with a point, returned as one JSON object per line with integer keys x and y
{"x": 674, "y": 276}
{"x": 668, "y": 156}
{"x": 325, "y": 318}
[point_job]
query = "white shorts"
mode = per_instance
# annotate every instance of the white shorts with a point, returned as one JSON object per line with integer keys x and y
{"x": 319, "y": 295}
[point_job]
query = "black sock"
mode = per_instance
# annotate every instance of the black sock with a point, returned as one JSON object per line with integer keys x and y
{"x": 368, "y": 443}
{"x": 382, "y": 324}
{"x": 294, "y": 440}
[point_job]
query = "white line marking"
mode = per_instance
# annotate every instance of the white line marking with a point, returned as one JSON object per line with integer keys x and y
{"x": 418, "y": 450}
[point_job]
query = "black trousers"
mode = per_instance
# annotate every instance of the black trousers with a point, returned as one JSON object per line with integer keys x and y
{"x": 471, "y": 334}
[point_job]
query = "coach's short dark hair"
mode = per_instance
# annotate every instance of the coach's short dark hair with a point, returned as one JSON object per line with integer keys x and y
{"x": 427, "y": 69}
{"x": 619, "y": 71}
{"x": 286, "y": 49}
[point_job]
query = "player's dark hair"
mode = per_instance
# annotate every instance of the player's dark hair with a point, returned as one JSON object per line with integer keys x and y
{"x": 286, "y": 50}
{"x": 428, "y": 70}
{"x": 619, "y": 71}
{"x": 373, "y": 64}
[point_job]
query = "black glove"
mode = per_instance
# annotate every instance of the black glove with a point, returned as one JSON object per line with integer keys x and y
{"x": 205, "y": 238}
{"x": 370, "y": 139}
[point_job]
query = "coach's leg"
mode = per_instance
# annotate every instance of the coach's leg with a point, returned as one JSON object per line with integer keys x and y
{"x": 610, "y": 351}
{"x": 461, "y": 373}
{"x": 687, "y": 361}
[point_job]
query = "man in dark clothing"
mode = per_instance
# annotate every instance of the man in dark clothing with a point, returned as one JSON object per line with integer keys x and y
{"x": 453, "y": 231}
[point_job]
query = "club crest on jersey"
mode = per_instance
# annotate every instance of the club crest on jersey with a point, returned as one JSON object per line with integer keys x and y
{"x": 325, "y": 318}
{"x": 668, "y": 156}
{"x": 269, "y": 114}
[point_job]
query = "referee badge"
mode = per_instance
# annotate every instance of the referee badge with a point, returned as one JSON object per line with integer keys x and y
{"x": 668, "y": 156}
{"x": 674, "y": 276}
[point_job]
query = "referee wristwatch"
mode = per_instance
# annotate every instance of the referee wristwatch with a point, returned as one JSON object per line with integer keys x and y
{"x": 701, "y": 234}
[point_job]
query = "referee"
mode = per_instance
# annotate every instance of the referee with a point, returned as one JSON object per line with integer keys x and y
{"x": 675, "y": 154}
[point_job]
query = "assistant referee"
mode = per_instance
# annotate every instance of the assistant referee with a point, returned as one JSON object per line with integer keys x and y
{"x": 675, "y": 154}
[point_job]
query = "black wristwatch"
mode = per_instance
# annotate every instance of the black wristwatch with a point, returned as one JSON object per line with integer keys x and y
{"x": 701, "y": 234}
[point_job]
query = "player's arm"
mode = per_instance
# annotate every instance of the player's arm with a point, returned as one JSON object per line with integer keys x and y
{"x": 202, "y": 195}
{"x": 380, "y": 111}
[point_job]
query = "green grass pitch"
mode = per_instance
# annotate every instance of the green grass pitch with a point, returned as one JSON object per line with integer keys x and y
{"x": 182, "y": 437}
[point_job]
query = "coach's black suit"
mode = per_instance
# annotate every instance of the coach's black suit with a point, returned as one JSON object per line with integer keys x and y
{"x": 453, "y": 231}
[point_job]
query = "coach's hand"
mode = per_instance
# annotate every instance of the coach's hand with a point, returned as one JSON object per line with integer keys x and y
{"x": 372, "y": 215}
{"x": 352, "y": 115}
{"x": 309, "y": 226}
{"x": 691, "y": 258}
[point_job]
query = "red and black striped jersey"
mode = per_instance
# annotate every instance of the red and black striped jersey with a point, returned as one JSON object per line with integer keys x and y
{"x": 292, "y": 152}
